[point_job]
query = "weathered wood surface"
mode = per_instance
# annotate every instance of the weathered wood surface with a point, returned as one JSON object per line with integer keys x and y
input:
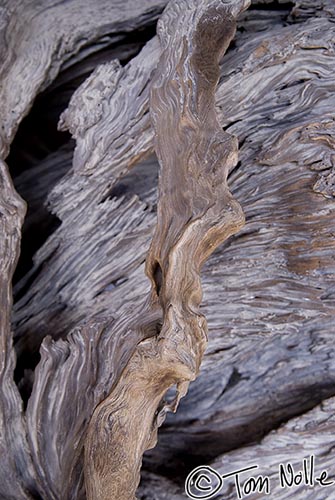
{"x": 309, "y": 435}
{"x": 195, "y": 213}
{"x": 268, "y": 292}
{"x": 38, "y": 38}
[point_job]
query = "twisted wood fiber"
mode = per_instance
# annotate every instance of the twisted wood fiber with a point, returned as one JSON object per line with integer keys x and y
{"x": 196, "y": 212}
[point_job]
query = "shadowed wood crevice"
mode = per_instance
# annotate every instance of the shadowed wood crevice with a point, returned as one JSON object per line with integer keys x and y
{"x": 37, "y": 137}
{"x": 25, "y": 28}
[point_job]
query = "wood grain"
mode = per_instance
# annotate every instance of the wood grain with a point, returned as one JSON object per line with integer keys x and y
{"x": 196, "y": 212}
{"x": 268, "y": 292}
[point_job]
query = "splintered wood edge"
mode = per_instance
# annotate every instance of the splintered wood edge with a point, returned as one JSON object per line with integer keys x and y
{"x": 196, "y": 213}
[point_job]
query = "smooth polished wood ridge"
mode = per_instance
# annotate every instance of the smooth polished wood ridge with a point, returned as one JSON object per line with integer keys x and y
{"x": 196, "y": 212}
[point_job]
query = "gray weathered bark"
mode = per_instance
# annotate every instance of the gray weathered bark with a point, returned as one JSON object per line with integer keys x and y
{"x": 268, "y": 291}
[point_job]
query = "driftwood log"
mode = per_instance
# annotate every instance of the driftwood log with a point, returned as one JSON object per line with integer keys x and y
{"x": 123, "y": 144}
